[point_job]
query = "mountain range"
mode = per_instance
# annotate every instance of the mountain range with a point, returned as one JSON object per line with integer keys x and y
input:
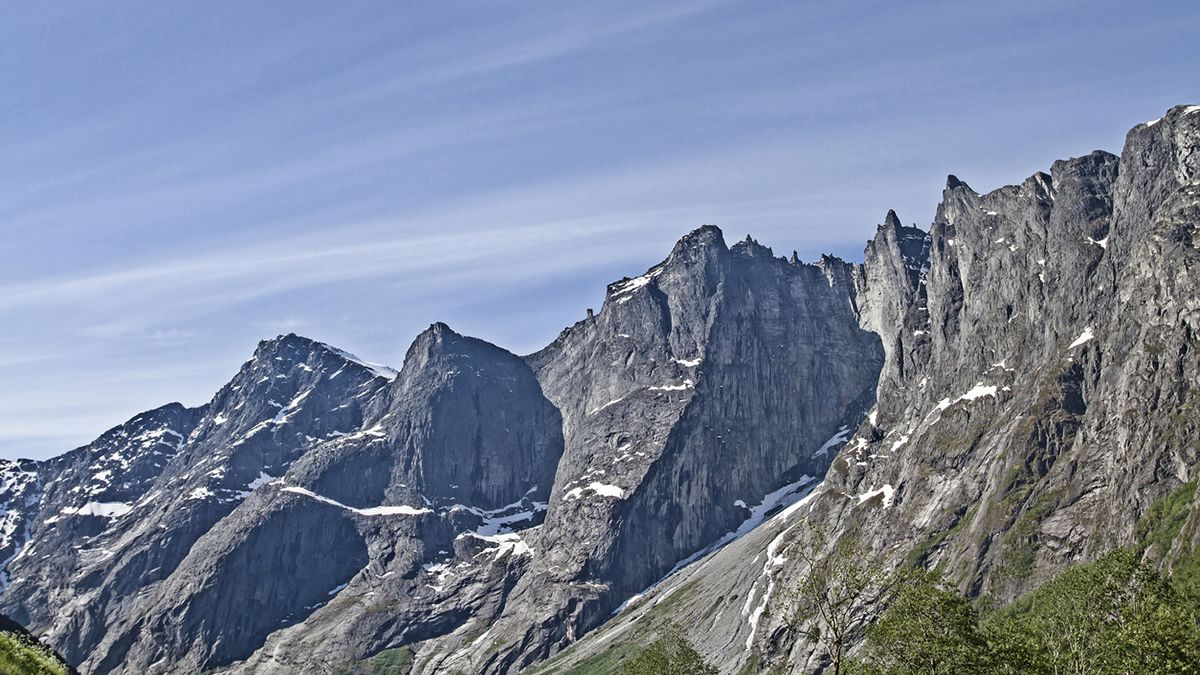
{"x": 999, "y": 397}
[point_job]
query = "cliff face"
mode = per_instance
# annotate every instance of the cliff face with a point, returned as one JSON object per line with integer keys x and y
{"x": 999, "y": 397}
{"x": 702, "y": 387}
{"x": 1038, "y": 395}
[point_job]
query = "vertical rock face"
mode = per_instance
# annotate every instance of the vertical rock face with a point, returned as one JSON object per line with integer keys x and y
{"x": 1038, "y": 395}
{"x": 704, "y": 385}
{"x": 1043, "y": 408}
{"x": 891, "y": 280}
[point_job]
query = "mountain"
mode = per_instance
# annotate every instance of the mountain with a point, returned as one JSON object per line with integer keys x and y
{"x": 999, "y": 397}
{"x": 1037, "y": 399}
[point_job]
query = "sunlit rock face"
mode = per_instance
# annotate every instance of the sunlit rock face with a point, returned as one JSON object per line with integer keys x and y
{"x": 1037, "y": 395}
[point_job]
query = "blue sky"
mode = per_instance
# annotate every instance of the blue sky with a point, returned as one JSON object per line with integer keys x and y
{"x": 180, "y": 180}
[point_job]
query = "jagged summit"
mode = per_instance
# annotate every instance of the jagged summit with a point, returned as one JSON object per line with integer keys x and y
{"x": 1173, "y": 115}
{"x": 438, "y": 333}
{"x": 440, "y": 344}
{"x": 953, "y": 183}
{"x": 290, "y": 349}
{"x": 703, "y": 235}
{"x": 750, "y": 246}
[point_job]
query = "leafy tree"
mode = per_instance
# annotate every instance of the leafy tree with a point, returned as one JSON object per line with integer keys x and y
{"x": 927, "y": 628}
{"x": 839, "y": 594}
{"x": 1113, "y": 615}
{"x": 670, "y": 654}
{"x": 22, "y": 655}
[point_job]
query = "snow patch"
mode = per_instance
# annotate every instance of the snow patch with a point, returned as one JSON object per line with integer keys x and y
{"x": 837, "y": 439}
{"x": 498, "y": 521}
{"x": 1083, "y": 338}
{"x": 400, "y": 510}
{"x": 627, "y": 287}
{"x": 505, "y": 543}
{"x": 612, "y": 402}
{"x": 979, "y": 391}
{"x": 773, "y": 560}
{"x": 101, "y": 509}
{"x": 263, "y": 479}
{"x": 377, "y": 369}
{"x": 887, "y": 491}
{"x": 686, "y": 384}
{"x": 200, "y": 493}
{"x": 602, "y": 489}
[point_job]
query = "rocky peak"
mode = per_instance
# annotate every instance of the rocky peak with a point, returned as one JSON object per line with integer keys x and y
{"x": 438, "y": 341}
{"x": 122, "y": 464}
{"x": 706, "y": 243}
{"x": 891, "y": 220}
{"x": 1160, "y": 166}
{"x": 705, "y": 235}
{"x": 1037, "y": 399}
{"x": 892, "y": 278}
{"x": 750, "y": 247}
{"x": 953, "y": 183}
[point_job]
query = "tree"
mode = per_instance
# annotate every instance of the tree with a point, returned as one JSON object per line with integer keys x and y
{"x": 670, "y": 654}
{"x": 838, "y": 594}
{"x": 927, "y": 628}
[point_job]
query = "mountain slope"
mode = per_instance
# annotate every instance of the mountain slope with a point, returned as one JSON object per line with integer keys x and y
{"x": 119, "y": 515}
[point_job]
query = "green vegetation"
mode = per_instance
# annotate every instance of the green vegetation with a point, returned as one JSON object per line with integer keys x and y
{"x": 605, "y": 663}
{"x": 22, "y": 655}
{"x": 670, "y": 654}
{"x": 397, "y": 661}
{"x": 1115, "y": 615}
{"x": 927, "y": 628}
{"x": 1157, "y": 531}
{"x": 1161, "y": 523}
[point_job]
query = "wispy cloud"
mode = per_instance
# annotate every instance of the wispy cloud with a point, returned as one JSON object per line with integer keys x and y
{"x": 191, "y": 179}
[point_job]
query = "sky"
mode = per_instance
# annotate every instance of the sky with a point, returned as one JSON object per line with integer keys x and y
{"x": 180, "y": 180}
